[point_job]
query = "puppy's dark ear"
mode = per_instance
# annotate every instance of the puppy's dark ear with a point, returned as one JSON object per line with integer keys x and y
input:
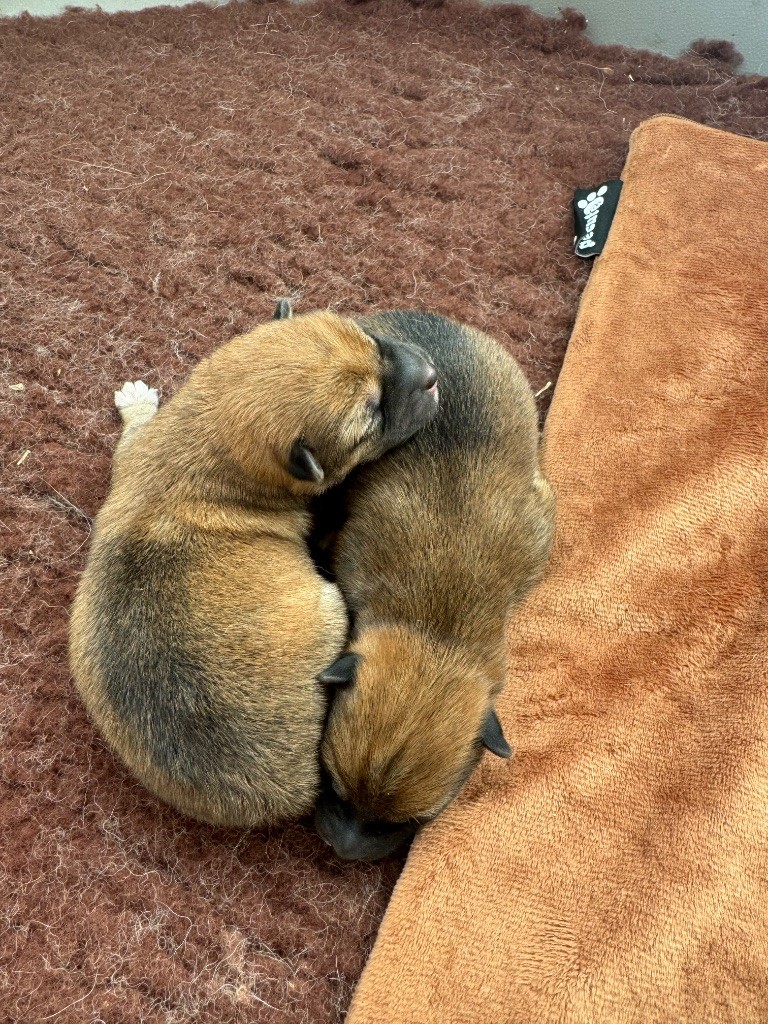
{"x": 303, "y": 465}
{"x": 492, "y": 737}
{"x": 283, "y": 310}
{"x": 341, "y": 672}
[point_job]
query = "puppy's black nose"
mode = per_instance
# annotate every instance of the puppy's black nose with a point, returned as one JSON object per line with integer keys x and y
{"x": 412, "y": 370}
{"x": 430, "y": 378}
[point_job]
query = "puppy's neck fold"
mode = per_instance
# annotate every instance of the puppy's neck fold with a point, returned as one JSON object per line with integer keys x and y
{"x": 429, "y": 642}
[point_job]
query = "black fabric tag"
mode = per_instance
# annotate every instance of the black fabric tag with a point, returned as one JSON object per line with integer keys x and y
{"x": 593, "y": 210}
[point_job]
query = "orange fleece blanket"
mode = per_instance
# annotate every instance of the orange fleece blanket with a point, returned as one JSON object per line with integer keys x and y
{"x": 617, "y": 871}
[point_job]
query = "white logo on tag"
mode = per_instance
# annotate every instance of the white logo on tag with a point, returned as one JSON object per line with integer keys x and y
{"x": 591, "y": 207}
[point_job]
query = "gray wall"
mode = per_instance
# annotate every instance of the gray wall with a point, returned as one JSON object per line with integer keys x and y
{"x": 647, "y": 24}
{"x": 670, "y": 27}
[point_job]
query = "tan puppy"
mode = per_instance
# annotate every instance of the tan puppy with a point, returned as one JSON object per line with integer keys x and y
{"x": 444, "y": 536}
{"x": 200, "y": 623}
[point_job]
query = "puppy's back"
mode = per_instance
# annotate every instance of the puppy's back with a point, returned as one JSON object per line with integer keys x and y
{"x": 455, "y": 526}
{"x": 166, "y": 643}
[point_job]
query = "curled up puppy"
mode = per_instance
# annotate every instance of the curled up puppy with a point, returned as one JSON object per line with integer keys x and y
{"x": 201, "y": 624}
{"x": 441, "y": 538}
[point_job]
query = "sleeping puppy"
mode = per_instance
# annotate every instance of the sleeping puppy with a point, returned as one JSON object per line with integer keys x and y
{"x": 200, "y": 624}
{"x": 442, "y": 538}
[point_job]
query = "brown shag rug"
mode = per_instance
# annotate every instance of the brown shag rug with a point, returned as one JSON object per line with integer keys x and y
{"x": 164, "y": 177}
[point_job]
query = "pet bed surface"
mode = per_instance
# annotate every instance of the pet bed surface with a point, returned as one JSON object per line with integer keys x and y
{"x": 615, "y": 871}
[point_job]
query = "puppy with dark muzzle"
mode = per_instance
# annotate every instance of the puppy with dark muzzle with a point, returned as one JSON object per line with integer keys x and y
{"x": 200, "y": 624}
{"x": 441, "y": 538}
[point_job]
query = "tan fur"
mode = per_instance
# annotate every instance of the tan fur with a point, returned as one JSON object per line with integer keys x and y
{"x": 204, "y": 484}
{"x": 444, "y": 537}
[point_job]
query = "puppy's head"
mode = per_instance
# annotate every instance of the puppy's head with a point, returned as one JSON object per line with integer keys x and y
{"x": 307, "y": 398}
{"x": 408, "y": 722}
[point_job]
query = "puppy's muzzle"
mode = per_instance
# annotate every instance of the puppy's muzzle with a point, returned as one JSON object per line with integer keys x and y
{"x": 352, "y": 839}
{"x": 410, "y": 390}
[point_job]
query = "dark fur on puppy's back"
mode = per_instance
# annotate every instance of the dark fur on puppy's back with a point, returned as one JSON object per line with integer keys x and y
{"x": 436, "y": 500}
{"x": 443, "y": 536}
{"x": 204, "y": 745}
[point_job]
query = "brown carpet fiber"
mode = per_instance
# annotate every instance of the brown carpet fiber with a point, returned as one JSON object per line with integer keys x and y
{"x": 615, "y": 872}
{"x": 164, "y": 177}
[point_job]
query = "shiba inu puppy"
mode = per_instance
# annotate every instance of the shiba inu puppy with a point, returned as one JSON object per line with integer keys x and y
{"x": 441, "y": 538}
{"x": 200, "y": 624}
